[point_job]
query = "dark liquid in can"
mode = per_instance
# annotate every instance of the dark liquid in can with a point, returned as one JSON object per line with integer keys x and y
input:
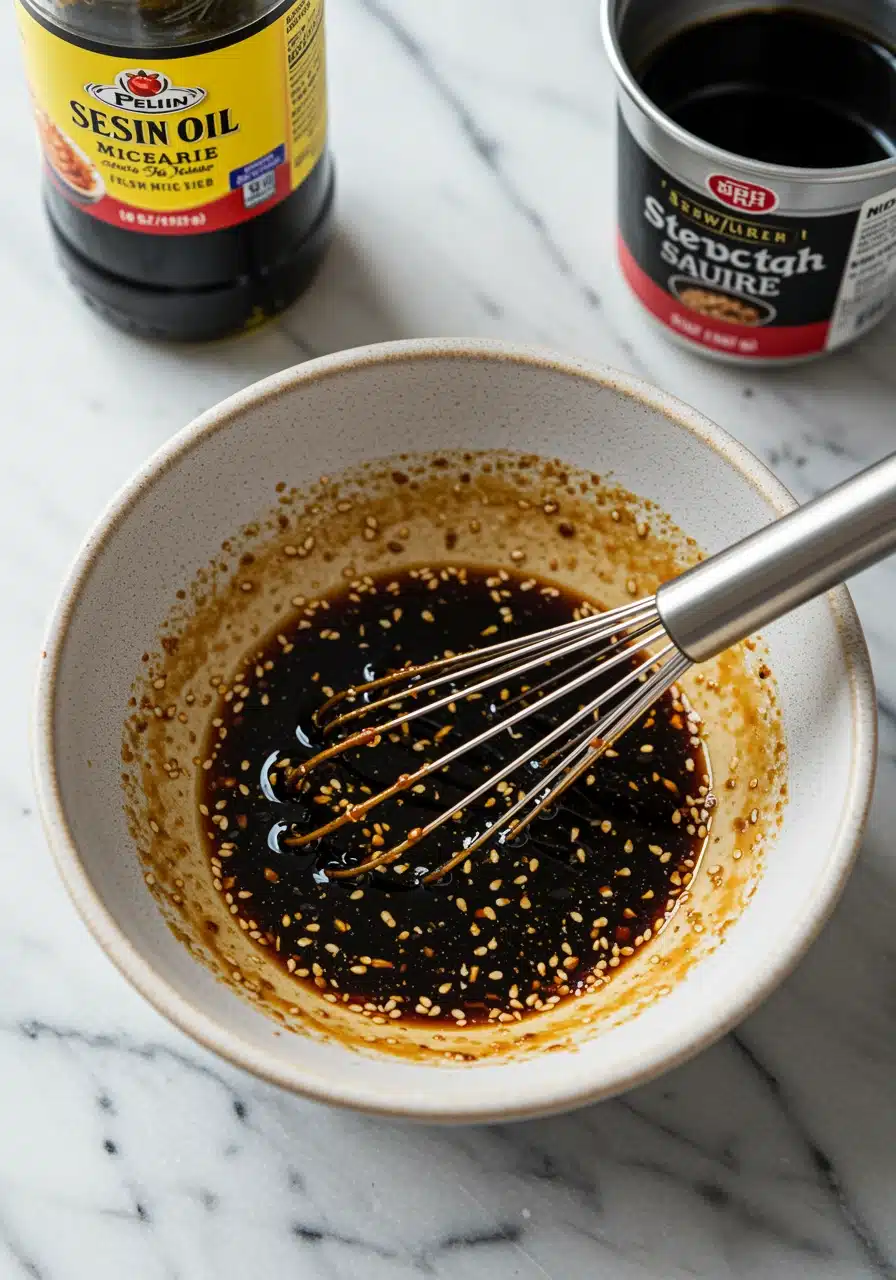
{"x": 779, "y": 86}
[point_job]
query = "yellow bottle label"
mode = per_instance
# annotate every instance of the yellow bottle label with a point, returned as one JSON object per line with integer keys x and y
{"x": 180, "y": 142}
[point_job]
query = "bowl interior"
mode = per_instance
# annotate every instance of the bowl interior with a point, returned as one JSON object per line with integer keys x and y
{"x": 339, "y": 412}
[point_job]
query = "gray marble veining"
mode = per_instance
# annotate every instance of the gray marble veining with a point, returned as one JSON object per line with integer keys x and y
{"x": 474, "y": 145}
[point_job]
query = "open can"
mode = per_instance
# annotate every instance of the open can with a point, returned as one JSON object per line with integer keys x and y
{"x": 740, "y": 259}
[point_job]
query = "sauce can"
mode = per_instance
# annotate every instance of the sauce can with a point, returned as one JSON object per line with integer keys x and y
{"x": 738, "y": 258}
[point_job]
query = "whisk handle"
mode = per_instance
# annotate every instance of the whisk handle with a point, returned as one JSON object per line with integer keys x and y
{"x": 771, "y": 572}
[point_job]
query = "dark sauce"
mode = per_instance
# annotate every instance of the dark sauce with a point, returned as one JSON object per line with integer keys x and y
{"x": 779, "y": 86}
{"x": 517, "y": 927}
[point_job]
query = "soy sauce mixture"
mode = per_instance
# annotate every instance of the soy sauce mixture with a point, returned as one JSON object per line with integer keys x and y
{"x": 518, "y": 926}
{"x": 779, "y": 86}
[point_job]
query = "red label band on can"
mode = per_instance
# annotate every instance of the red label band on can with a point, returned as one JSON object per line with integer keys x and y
{"x": 742, "y": 260}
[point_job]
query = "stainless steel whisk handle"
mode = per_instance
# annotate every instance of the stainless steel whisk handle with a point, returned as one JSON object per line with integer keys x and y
{"x": 771, "y": 572}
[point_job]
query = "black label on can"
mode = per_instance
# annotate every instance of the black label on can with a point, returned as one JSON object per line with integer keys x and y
{"x": 725, "y": 269}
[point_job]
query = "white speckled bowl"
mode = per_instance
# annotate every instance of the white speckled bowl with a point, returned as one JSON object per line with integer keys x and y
{"x": 373, "y": 402}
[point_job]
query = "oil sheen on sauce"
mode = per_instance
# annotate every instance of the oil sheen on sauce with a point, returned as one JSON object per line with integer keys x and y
{"x": 515, "y": 929}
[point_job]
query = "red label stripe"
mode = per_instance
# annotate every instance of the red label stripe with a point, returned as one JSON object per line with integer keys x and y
{"x": 228, "y": 211}
{"x": 769, "y": 341}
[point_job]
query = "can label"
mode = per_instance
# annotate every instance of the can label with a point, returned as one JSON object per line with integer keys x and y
{"x": 726, "y": 269}
{"x": 173, "y": 142}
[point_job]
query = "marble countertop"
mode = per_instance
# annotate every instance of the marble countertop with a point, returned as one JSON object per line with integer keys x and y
{"x": 474, "y": 148}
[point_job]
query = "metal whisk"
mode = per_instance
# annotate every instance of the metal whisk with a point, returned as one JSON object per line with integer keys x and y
{"x": 690, "y": 619}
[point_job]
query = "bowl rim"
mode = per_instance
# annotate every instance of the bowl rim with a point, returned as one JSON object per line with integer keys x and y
{"x": 716, "y": 1018}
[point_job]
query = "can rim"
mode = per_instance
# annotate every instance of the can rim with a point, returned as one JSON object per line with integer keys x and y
{"x": 788, "y": 173}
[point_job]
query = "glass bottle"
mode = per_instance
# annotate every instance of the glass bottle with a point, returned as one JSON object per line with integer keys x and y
{"x": 187, "y": 179}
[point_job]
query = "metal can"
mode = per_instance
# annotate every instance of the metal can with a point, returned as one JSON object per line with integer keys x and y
{"x": 739, "y": 259}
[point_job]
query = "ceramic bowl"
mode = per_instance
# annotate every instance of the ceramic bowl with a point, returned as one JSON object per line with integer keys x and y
{"x": 375, "y": 402}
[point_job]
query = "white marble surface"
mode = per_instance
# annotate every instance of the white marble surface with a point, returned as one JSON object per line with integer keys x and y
{"x": 474, "y": 145}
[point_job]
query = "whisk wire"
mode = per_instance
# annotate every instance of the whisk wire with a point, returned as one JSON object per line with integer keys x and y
{"x": 617, "y": 653}
{"x": 388, "y": 856}
{"x": 579, "y": 740}
{"x": 585, "y": 750}
{"x": 582, "y": 755}
{"x": 595, "y": 626}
